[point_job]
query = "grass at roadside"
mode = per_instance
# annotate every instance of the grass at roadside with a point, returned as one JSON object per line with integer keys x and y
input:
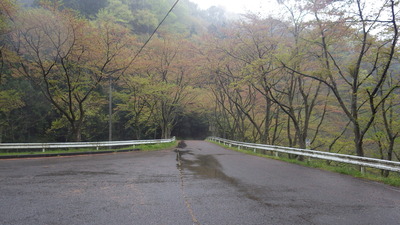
{"x": 158, "y": 146}
{"x": 372, "y": 174}
{"x": 147, "y": 147}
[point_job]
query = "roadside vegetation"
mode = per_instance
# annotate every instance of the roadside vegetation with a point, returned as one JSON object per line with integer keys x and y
{"x": 145, "y": 147}
{"x": 321, "y": 74}
{"x": 370, "y": 173}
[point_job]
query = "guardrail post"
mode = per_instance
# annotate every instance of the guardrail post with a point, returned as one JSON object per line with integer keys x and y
{"x": 43, "y": 150}
{"x": 277, "y": 154}
{"x": 308, "y": 144}
{"x": 362, "y": 169}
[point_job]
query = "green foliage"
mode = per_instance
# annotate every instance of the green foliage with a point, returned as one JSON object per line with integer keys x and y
{"x": 137, "y": 102}
{"x": 29, "y": 121}
{"x": 10, "y": 100}
{"x": 255, "y": 77}
{"x": 118, "y": 11}
{"x": 7, "y": 7}
{"x": 87, "y": 8}
{"x": 144, "y": 21}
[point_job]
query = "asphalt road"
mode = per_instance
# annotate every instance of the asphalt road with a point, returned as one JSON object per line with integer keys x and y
{"x": 205, "y": 185}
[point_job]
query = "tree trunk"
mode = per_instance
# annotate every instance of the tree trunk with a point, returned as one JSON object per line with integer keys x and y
{"x": 276, "y": 127}
{"x": 358, "y": 141}
{"x": 385, "y": 173}
{"x": 165, "y": 131}
{"x": 1, "y": 134}
{"x": 265, "y": 138}
{"x": 76, "y": 133}
{"x": 302, "y": 144}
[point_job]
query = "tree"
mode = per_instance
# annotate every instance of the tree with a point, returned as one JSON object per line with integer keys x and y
{"x": 9, "y": 99}
{"x": 137, "y": 99}
{"x": 116, "y": 11}
{"x": 66, "y": 58}
{"x": 144, "y": 21}
{"x": 356, "y": 78}
{"x": 7, "y": 13}
{"x": 386, "y": 126}
{"x": 87, "y": 8}
{"x": 252, "y": 87}
{"x": 233, "y": 99}
{"x": 167, "y": 65}
{"x": 238, "y": 109}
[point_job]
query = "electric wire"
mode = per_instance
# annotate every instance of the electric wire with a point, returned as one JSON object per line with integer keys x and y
{"x": 148, "y": 40}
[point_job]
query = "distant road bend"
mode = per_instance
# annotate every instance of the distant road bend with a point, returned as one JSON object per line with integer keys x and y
{"x": 198, "y": 183}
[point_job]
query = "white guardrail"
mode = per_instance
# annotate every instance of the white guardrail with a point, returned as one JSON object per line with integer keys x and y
{"x": 97, "y": 145}
{"x": 350, "y": 159}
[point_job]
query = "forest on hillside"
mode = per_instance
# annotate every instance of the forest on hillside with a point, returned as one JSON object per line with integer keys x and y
{"x": 320, "y": 74}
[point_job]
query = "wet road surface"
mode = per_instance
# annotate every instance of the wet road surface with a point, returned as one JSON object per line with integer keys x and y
{"x": 199, "y": 183}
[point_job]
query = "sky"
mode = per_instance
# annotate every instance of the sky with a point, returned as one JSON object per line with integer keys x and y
{"x": 239, "y": 6}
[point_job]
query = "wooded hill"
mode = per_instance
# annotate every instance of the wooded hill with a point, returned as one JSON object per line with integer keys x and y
{"x": 323, "y": 73}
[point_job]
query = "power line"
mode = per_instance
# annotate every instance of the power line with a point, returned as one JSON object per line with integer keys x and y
{"x": 130, "y": 63}
{"x": 148, "y": 40}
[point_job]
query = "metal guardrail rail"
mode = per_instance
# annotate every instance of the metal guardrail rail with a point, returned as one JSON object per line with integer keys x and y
{"x": 97, "y": 145}
{"x": 350, "y": 159}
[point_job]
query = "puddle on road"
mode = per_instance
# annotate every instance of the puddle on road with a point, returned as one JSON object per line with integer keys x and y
{"x": 182, "y": 144}
{"x": 208, "y": 167}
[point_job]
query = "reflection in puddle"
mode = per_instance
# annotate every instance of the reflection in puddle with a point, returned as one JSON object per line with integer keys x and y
{"x": 208, "y": 167}
{"x": 182, "y": 144}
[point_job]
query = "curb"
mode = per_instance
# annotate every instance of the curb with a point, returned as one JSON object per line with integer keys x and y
{"x": 63, "y": 154}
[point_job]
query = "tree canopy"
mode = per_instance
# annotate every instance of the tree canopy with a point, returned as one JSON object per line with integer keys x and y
{"x": 324, "y": 74}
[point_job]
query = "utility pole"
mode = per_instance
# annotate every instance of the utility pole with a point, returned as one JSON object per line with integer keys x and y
{"x": 110, "y": 110}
